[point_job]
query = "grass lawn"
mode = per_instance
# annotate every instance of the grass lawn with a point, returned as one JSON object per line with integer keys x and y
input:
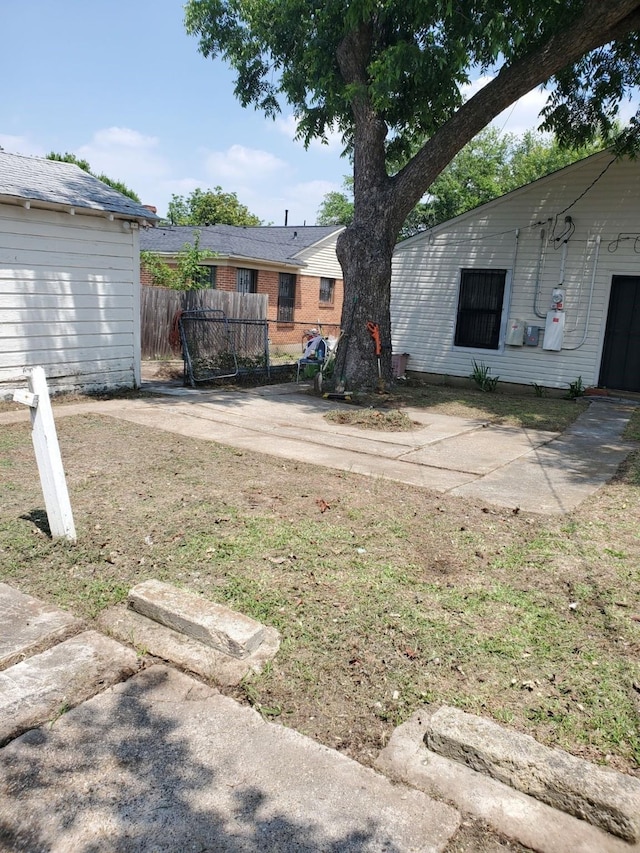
{"x": 387, "y": 597}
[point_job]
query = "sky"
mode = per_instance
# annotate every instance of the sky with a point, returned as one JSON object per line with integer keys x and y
{"x": 120, "y": 84}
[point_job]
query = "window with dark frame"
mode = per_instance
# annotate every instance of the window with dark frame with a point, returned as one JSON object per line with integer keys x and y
{"x": 480, "y": 305}
{"x": 327, "y": 288}
{"x": 247, "y": 280}
{"x": 207, "y": 276}
{"x": 286, "y": 297}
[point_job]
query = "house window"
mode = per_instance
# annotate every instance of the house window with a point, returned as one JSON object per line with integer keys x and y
{"x": 480, "y": 308}
{"x": 247, "y": 281}
{"x": 207, "y": 276}
{"x": 327, "y": 287}
{"x": 286, "y": 297}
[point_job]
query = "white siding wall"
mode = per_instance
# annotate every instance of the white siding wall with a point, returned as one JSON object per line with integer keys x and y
{"x": 321, "y": 260}
{"x": 426, "y": 273}
{"x": 69, "y": 299}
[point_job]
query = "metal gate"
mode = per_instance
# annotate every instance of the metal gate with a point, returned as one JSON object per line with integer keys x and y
{"x": 215, "y": 347}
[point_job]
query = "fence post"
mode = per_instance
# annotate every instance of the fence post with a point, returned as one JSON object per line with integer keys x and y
{"x": 47, "y": 449}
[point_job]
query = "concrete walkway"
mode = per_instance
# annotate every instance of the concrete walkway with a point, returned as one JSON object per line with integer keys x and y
{"x": 100, "y": 754}
{"x": 535, "y": 471}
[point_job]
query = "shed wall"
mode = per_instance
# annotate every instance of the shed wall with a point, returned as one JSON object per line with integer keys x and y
{"x": 69, "y": 299}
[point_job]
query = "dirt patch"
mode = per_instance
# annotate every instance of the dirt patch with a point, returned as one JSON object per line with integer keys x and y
{"x": 387, "y": 597}
{"x": 392, "y": 420}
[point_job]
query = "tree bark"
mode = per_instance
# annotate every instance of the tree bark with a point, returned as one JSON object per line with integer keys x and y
{"x": 381, "y": 203}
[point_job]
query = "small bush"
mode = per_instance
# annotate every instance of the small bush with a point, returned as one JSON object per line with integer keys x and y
{"x": 576, "y": 389}
{"x": 481, "y": 375}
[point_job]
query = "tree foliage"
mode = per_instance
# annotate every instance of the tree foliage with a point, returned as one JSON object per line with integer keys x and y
{"x": 337, "y": 207}
{"x": 84, "y": 165}
{"x": 187, "y": 272}
{"x": 209, "y": 207}
{"x": 489, "y": 166}
{"x": 390, "y": 75}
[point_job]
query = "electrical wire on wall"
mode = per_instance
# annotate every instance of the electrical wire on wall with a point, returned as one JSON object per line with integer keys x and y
{"x": 614, "y": 245}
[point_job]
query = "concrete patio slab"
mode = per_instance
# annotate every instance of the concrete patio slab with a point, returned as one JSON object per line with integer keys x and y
{"x": 481, "y": 451}
{"x": 446, "y": 454}
{"x": 48, "y": 684}
{"x": 558, "y": 476}
{"x": 163, "y": 763}
{"x": 28, "y": 625}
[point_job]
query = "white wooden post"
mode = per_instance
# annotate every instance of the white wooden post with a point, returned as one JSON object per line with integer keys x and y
{"x": 45, "y": 443}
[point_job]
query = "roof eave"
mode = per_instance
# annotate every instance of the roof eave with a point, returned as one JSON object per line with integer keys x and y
{"x": 64, "y": 207}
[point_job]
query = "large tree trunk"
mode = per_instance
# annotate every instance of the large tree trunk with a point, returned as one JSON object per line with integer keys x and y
{"x": 381, "y": 203}
{"x": 365, "y": 253}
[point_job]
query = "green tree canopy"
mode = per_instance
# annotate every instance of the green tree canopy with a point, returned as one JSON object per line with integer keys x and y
{"x": 489, "y": 166}
{"x": 84, "y": 165}
{"x": 209, "y": 207}
{"x": 337, "y": 207}
{"x": 186, "y": 273}
{"x": 390, "y": 75}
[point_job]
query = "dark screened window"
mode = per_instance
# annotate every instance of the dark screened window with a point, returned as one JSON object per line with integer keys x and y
{"x": 247, "y": 281}
{"x": 286, "y": 297}
{"x": 480, "y": 308}
{"x": 327, "y": 287}
{"x": 207, "y": 276}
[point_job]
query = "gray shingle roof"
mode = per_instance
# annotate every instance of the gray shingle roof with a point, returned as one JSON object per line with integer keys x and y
{"x": 37, "y": 179}
{"x": 264, "y": 242}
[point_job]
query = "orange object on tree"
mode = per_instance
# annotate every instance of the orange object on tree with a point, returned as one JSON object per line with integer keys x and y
{"x": 374, "y": 331}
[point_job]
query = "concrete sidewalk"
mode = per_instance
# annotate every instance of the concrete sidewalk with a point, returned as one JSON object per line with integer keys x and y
{"x": 535, "y": 471}
{"x": 105, "y": 757}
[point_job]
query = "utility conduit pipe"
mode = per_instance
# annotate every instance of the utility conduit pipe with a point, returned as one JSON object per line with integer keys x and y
{"x": 593, "y": 280}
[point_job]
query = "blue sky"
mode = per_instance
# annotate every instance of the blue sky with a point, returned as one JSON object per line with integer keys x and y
{"x": 121, "y": 84}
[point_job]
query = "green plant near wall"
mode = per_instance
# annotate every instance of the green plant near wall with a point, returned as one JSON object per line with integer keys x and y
{"x": 576, "y": 389}
{"x": 187, "y": 273}
{"x": 481, "y": 375}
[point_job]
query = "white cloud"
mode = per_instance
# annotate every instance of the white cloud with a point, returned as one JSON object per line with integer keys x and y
{"x": 21, "y": 145}
{"x": 288, "y": 126}
{"x": 124, "y": 154}
{"x": 239, "y": 163}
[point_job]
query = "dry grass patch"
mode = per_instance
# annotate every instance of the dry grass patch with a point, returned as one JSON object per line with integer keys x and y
{"x": 387, "y": 597}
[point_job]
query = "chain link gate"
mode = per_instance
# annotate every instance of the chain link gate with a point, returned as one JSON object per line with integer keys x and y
{"x": 216, "y": 347}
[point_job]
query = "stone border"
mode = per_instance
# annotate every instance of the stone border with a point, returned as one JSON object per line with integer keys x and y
{"x": 519, "y": 816}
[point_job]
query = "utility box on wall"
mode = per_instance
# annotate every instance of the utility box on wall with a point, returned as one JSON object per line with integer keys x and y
{"x": 554, "y": 331}
{"x": 515, "y": 333}
{"x": 532, "y": 336}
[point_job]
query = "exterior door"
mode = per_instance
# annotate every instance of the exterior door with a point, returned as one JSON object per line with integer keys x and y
{"x": 620, "y": 368}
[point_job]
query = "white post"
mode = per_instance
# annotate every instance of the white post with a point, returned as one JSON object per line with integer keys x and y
{"x": 45, "y": 443}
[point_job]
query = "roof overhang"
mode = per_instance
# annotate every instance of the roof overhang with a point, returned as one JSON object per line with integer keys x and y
{"x": 73, "y": 210}
{"x": 237, "y": 260}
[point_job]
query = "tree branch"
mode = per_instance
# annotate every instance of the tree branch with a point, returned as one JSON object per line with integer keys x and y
{"x": 601, "y": 22}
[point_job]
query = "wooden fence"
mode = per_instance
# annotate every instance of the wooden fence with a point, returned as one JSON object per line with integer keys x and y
{"x": 160, "y": 305}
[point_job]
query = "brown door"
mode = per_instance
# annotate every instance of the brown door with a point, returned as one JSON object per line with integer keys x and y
{"x": 620, "y": 368}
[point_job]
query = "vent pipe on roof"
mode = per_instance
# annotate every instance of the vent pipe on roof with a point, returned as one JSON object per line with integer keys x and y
{"x": 286, "y": 218}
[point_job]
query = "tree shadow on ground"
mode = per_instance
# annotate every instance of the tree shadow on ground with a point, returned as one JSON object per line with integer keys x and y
{"x": 89, "y": 784}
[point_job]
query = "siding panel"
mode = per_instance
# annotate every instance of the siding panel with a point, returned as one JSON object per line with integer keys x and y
{"x": 68, "y": 298}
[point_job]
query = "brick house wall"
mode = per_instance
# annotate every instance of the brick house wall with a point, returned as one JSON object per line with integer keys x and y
{"x": 308, "y": 309}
